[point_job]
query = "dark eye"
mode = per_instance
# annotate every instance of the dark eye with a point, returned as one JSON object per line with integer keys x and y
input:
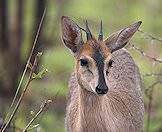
{"x": 107, "y": 72}
{"x": 83, "y": 62}
{"x": 110, "y": 63}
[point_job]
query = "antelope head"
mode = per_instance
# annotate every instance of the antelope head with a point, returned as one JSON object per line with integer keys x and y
{"x": 93, "y": 57}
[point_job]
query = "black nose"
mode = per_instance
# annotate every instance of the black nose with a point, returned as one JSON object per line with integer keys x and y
{"x": 101, "y": 90}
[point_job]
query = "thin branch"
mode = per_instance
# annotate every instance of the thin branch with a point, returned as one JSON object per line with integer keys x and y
{"x": 23, "y": 92}
{"x": 56, "y": 95}
{"x": 150, "y": 36}
{"x": 150, "y": 89}
{"x": 146, "y": 55}
{"x": 149, "y": 108}
{"x": 147, "y": 90}
{"x": 149, "y": 93}
{"x": 33, "y": 127}
{"x": 43, "y": 106}
{"x": 27, "y": 64}
{"x": 152, "y": 74}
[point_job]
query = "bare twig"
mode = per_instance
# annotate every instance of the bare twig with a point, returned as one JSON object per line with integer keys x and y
{"x": 146, "y": 55}
{"x": 147, "y": 90}
{"x": 33, "y": 127}
{"x": 149, "y": 93}
{"x": 26, "y": 67}
{"x": 57, "y": 93}
{"x": 23, "y": 92}
{"x": 149, "y": 110}
{"x": 43, "y": 106}
{"x": 150, "y": 36}
{"x": 152, "y": 74}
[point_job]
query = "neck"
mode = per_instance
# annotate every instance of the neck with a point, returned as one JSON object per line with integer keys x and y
{"x": 89, "y": 99}
{"x": 91, "y": 110}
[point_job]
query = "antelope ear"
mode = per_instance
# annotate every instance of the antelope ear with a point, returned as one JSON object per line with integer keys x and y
{"x": 119, "y": 39}
{"x": 71, "y": 34}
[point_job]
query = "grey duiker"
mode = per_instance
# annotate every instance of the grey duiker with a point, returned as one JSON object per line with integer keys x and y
{"x": 105, "y": 88}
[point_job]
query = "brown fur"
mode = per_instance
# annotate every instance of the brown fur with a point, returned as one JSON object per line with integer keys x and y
{"x": 120, "y": 110}
{"x": 89, "y": 47}
{"x": 121, "y": 107}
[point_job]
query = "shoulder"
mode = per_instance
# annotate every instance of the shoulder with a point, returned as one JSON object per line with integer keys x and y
{"x": 123, "y": 61}
{"x": 124, "y": 71}
{"x": 122, "y": 54}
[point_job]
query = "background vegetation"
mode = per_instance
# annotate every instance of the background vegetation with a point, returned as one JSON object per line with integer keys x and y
{"x": 19, "y": 21}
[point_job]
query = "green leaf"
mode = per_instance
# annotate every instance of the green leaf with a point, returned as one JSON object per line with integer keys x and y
{"x": 41, "y": 74}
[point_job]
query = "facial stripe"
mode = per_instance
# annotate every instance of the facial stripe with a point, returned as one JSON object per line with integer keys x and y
{"x": 99, "y": 59}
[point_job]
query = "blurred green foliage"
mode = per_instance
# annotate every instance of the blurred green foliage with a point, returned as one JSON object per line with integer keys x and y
{"x": 58, "y": 60}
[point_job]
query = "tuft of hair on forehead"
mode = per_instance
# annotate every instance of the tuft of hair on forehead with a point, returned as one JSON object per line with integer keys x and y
{"x": 93, "y": 42}
{"x": 92, "y": 47}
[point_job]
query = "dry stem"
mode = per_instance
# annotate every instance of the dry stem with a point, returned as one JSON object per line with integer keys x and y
{"x": 23, "y": 92}
{"x": 26, "y": 67}
{"x": 43, "y": 106}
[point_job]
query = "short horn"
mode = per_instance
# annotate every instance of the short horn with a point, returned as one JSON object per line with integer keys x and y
{"x": 88, "y": 32}
{"x": 100, "y": 36}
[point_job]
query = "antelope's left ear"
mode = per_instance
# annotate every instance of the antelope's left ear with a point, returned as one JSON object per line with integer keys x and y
{"x": 71, "y": 34}
{"x": 118, "y": 40}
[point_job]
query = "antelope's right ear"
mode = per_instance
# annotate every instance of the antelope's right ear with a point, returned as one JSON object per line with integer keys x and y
{"x": 118, "y": 40}
{"x": 71, "y": 34}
